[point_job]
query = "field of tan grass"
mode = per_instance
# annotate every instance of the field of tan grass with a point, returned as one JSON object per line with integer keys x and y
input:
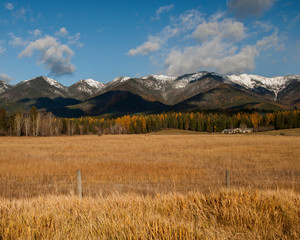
{"x": 150, "y": 187}
{"x": 222, "y": 215}
{"x": 146, "y": 164}
{"x": 287, "y": 132}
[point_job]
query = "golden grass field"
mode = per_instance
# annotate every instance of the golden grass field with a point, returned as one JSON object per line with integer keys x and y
{"x": 146, "y": 164}
{"x": 222, "y": 215}
{"x": 167, "y": 186}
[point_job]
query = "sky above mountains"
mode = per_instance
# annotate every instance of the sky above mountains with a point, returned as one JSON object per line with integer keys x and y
{"x": 73, "y": 40}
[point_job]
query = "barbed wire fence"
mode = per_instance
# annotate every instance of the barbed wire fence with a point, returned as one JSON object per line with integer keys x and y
{"x": 92, "y": 186}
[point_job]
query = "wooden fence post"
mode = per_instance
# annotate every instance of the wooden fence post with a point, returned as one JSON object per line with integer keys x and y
{"x": 227, "y": 178}
{"x": 79, "y": 186}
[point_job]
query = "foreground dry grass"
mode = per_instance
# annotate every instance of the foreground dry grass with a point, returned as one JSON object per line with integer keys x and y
{"x": 146, "y": 164}
{"x": 150, "y": 187}
{"x": 223, "y": 215}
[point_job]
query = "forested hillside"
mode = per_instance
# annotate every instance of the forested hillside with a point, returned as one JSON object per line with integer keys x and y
{"x": 34, "y": 123}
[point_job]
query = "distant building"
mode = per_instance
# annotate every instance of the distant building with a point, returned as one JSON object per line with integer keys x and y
{"x": 227, "y": 131}
{"x": 237, "y": 130}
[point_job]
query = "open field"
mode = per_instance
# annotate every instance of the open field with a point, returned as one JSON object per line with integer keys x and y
{"x": 287, "y": 132}
{"x": 150, "y": 187}
{"x": 176, "y": 132}
{"x": 222, "y": 215}
{"x": 146, "y": 164}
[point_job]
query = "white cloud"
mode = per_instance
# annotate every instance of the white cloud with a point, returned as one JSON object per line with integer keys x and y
{"x": 2, "y": 49}
{"x": 184, "y": 23}
{"x": 161, "y": 10}
{"x": 219, "y": 48}
{"x": 36, "y": 32}
{"x": 187, "y": 21}
{"x": 246, "y": 8}
{"x": 272, "y": 41}
{"x": 63, "y": 32}
{"x": 212, "y": 55}
{"x": 267, "y": 27}
{"x": 4, "y": 77}
{"x": 226, "y": 29}
{"x": 55, "y": 56}
{"x": 17, "y": 41}
{"x": 215, "y": 43}
{"x": 9, "y": 6}
{"x": 145, "y": 48}
{"x": 220, "y": 56}
{"x": 74, "y": 40}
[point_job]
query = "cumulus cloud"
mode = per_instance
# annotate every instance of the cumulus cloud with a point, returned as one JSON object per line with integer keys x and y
{"x": 246, "y": 8}
{"x": 63, "y": 32}
{"x": 145, "y": 48}
{"x": 4, "y": 77}
{"x": 182, "y": 24}
{"x": 215, "y": 43}
{"x": 212, "y": 55}
{"x": 225, "y": 29}
{"x": 219, "y": 48}
{"x": 55, "y": 56}
{"x": 220, "y": 56}
{"x": 272, "y": 41}
{"x": 17, "y": 41}
{"x": 9, "y": 6}
{"x": 267, "y": 27}
{"x": 161, "y": 10}
{"x": 187, "y": 21}
{"x": 74, "y": 40}
{"x": 36, "y": 32}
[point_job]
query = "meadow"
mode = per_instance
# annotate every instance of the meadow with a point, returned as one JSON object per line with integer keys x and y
{"x": 154, "y": 186}
{"x": 146, "y": 164}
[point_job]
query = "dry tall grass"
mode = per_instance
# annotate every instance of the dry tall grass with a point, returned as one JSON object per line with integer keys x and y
{"x": 146, "y": 164}
{"x": 223, "y": 215}
{"x": 149, "y": 187}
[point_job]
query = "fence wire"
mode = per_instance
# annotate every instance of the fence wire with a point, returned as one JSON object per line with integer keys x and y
{"x": 103, "y": 185}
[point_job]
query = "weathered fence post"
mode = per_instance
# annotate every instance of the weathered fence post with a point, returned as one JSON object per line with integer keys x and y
{"x": 79, "y": 186}
{"x": 227, "y": 178}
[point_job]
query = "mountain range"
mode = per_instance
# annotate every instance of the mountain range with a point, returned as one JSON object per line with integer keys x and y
{"x": 153, "y": 93}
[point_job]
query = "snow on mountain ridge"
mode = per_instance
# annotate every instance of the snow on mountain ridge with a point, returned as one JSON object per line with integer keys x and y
{"x": 89, "y": 86}
{"x": 274, "y": 84}
{"x": 3, "y": 87}
{"x": 53, "y": 82}
{"x": 183, "y": 82}
{"x": 163, "y": 78}
{"x": 93, "y": 83}
{"x": 120, "y": 79}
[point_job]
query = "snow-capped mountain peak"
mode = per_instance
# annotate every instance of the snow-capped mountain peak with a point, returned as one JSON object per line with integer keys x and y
{"x": 162, "y": 78}
{"x": 183, "y": 81}
{"x": 120, "y": 79}
{"x": 88, "y": 86}
{"x": 53, "y": 82}
{"x": 50, "y": 81}
{"x": 3, "y": 86}
{"x": 93, "y": 83}
{"x": 274, "y": 84}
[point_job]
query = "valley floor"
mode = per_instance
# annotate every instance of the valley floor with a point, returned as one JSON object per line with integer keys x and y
{"x": 169, "y": 186}
{"x": 223, "y": 215}
{"x": 147, "y": 164}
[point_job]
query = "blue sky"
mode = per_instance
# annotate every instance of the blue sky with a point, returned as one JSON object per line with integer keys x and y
{"x": 73, "y": 40}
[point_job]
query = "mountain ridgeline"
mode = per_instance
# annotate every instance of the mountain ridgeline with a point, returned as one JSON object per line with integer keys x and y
{"x": 153, "y": 94}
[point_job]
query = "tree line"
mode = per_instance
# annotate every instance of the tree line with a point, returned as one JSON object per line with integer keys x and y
{"x": 35, "y": 123}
